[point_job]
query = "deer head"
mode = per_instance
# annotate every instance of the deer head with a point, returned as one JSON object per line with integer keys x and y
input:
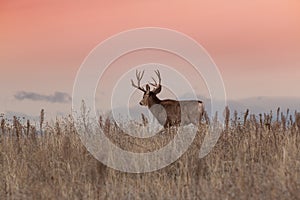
{"x": 149, "y": 97}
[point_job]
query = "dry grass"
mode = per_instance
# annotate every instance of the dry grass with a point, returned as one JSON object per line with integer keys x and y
{"x": 255, "y": 158}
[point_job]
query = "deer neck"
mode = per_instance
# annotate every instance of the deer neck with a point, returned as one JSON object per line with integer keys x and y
{"x": 154, "y": 100}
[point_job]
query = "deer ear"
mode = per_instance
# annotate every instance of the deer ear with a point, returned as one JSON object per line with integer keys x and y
{"x": 157, "y": 90}
{"x": 147, "y": 88}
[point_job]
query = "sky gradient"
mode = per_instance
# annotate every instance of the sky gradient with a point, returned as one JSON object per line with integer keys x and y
{"x": 255, "y": 44}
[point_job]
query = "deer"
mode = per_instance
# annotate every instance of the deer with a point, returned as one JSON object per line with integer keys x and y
{"x": 168, "y": 112}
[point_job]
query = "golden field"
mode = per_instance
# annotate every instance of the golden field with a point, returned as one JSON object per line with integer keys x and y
{"x": 256, "y": 157}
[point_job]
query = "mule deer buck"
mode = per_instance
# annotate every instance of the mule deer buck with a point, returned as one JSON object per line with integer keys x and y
{"x": 168, "y": 112}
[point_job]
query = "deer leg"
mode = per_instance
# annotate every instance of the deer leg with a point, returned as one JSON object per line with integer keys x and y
{"x": 201, "y": 116}
{"x": 168, "y": 123}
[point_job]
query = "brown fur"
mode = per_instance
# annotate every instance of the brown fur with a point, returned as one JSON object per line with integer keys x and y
{"x": 170, "y": 112}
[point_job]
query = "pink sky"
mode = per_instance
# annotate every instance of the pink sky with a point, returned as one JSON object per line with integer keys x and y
{"x": 255, "y": 44}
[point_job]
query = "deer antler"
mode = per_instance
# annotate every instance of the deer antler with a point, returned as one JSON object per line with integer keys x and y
{"x": 139, "y": 76}
{"x": 157, "y": 86}
{"x": 159, "y": 79}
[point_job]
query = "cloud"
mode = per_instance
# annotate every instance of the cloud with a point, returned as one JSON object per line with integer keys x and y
{"x": 57, "y": 97}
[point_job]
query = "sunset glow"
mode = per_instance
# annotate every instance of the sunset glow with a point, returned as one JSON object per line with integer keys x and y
{"x": 255, "y": 44}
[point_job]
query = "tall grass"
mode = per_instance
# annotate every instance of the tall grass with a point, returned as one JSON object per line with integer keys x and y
{"x": 255, "y": 158}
